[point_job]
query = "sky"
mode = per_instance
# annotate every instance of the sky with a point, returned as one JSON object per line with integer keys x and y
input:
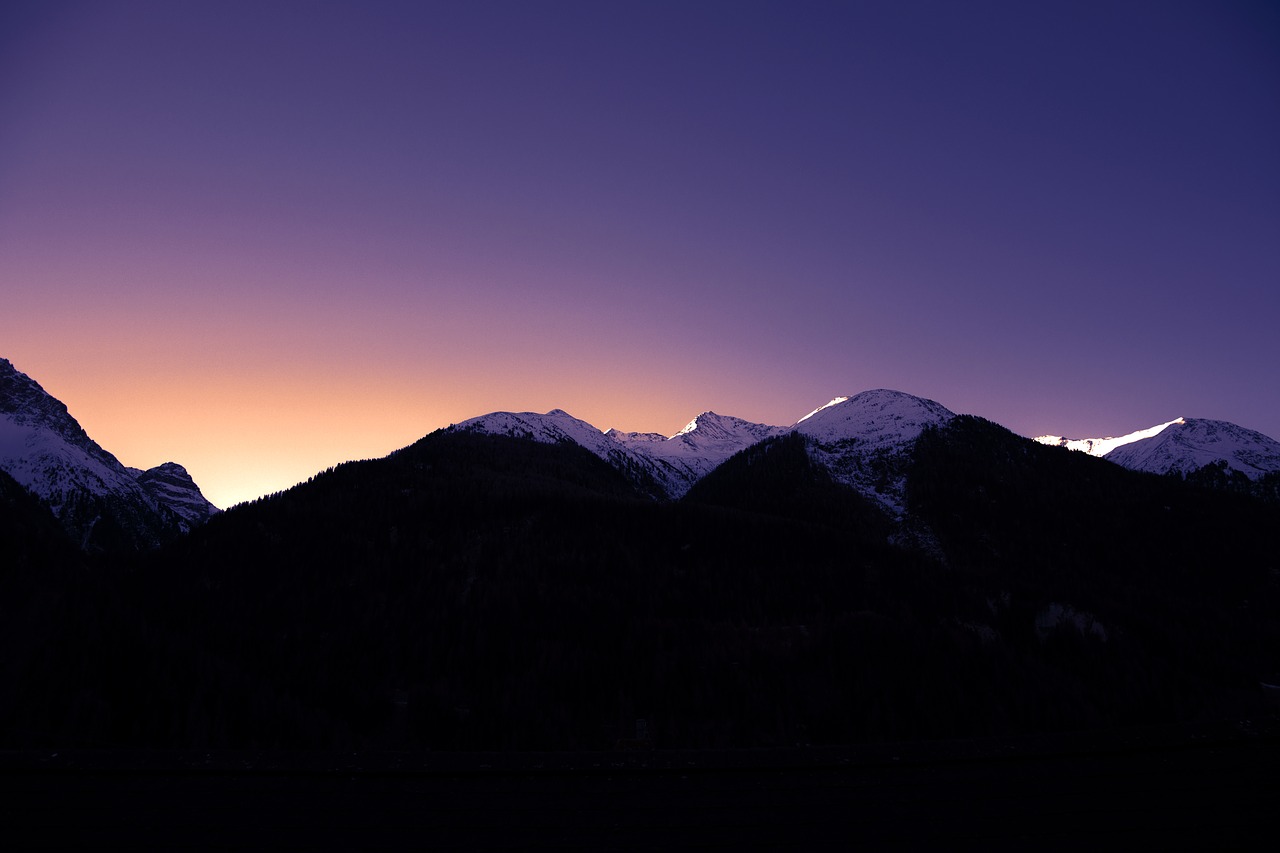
{"x": 262, "y": 238}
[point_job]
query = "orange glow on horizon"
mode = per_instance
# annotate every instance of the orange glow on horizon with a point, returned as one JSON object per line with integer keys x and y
{"x": 244, "y": 433}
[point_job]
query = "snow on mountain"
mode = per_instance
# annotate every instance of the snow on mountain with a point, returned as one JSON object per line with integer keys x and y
{"x": 664, "y": 466}
{"x": 710, "y": 432}
{"x": 171, "y": 485}
{"x": 636, "y": 437}
{"x": 97, "y": 500}
{"x": 1190, "y": 443}
{"x": 558, "y": 426}
{"x": 1102, "y": 446}
{"x": 865, "y": 440}
{"x": 834, "y": 402}
{"x": 877, "y": 419}
{"x": 701, "y": 446}
{"x": 1183, "y": 445}
{"x": 34, "y": 425}
{"x": 555, "y": 426}
{"x": 54, "y": 468}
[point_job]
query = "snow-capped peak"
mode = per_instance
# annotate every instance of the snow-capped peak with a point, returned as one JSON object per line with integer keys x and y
{"x": 709, "y": 439}
{"x": 1190, "y": 443}
{"x": 1183, "y": 445}
{"x": 879, "y": 418}
{"x": 673, "y": 463}
{"x": 691, "y": 425}
{"x": 711, "y": 426}
{"x": 555, "y": 426}
{"x": 865, "y": 440}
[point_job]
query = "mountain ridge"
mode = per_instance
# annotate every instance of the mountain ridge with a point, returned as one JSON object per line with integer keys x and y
{"x": 863, "y": 439}
{"x": 1183, "y": 446}
{"x": 477, "y": 591}
{"x": 896, "y": 572}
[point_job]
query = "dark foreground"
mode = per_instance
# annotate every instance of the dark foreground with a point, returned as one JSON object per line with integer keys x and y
{"x": 1189, "y": 789}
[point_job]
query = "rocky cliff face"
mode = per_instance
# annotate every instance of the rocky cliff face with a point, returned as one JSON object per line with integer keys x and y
{"x": 172, "y": 486}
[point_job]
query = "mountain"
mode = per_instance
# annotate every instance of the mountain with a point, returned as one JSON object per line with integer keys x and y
{"x": 865, "y": 440}
{"x": 559, "y": 427}
{"x": 1191, "y": 443}
{"x": 171, "y": 485}
{"x": 861, "y": 440}
{"x": 683, "y": 459}
{"x": 1183, "y": 446}
{"x": 480, "y": 591}
{"x": 880, "y": 570}
{"x": 99, "y": 502}
{"x": 1101, "y": 446}
{"x": 659, "y": 466}
{"x": 554, "y": 427}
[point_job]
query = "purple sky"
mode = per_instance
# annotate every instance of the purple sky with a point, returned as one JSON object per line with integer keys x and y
{"x": 260, "y": 238}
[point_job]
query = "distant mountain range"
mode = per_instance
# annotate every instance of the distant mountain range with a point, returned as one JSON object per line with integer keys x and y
{"x": 881, "y": 569}
{"x": 862, "y": 441}
{"x": 101, "y": 503}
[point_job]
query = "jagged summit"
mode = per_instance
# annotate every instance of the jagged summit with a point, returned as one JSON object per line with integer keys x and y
{"x": 171, "y": 485}
{"x": 710, "y": 426}
{"x": 24, "y": 403}
{"x": 704, "y": 443}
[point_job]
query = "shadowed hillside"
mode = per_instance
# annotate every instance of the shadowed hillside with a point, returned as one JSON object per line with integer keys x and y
{"x": 486, "y": 592}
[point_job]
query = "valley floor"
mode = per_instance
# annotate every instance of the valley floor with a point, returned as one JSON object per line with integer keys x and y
{"x": 1210, "y": 787}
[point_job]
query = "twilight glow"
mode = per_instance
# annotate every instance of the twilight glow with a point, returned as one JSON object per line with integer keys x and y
{"x": 261, "y": 238}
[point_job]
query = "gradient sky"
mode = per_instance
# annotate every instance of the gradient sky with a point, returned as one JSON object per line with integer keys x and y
{"x": 261, "y": 238}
